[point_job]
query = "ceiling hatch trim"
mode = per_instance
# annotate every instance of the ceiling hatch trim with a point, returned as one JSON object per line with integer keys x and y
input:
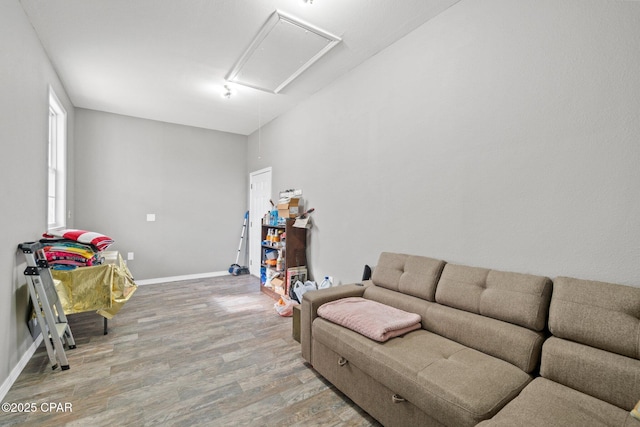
{"x": 283, "y": 49}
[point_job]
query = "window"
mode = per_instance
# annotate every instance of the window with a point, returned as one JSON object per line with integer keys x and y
{"x": 56, "y": 193}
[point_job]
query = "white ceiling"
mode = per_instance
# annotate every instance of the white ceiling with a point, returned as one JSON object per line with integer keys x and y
{"x": 166, "y": 59}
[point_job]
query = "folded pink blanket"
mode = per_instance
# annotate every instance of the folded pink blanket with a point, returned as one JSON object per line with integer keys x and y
{"x": 372, "y": 319}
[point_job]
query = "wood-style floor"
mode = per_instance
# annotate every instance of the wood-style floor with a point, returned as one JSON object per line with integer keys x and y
{"x": 207, "y": 352}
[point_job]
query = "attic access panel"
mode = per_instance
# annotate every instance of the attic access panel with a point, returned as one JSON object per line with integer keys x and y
{"x": 282, "y": 50}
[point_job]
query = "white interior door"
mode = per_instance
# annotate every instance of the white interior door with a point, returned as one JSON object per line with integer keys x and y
{"x": 259, "y": 196}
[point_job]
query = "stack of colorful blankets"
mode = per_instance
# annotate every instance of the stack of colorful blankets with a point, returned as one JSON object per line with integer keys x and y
{"x": 69, "y": 249}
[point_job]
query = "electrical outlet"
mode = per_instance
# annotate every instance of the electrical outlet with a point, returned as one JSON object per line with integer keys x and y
{"x": 151, "y": 217}
{"x": 129, "y": 256}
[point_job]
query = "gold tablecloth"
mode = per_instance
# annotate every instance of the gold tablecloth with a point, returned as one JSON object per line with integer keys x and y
{"x": 104, "y": 288}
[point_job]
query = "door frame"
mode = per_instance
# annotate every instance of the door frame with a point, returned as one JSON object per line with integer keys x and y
{"x": 255, "y": 221}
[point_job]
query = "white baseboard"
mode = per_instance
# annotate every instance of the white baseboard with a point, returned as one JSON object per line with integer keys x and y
{"x": 15, "y": 372}
{"x": 179, "y": 278}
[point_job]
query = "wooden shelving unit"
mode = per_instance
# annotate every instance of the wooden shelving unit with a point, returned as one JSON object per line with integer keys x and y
{"x": 294, "y": 250}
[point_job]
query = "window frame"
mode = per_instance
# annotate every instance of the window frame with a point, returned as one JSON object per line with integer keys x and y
{"x": 56, "y": 163}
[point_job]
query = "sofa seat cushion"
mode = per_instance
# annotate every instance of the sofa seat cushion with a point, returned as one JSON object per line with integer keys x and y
{"x": 453, "y": 383}
{"x": 512, "y": 343}
{"x": 544, "y": 403}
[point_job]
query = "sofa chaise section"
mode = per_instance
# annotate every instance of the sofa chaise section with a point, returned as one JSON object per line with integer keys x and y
{"x": 590, "y": 367}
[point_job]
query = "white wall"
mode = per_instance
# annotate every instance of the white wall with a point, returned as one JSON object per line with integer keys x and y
{"x": 25, "y": 76}
{"x": 501, "y": 134}
{"x": 194, "y": 181}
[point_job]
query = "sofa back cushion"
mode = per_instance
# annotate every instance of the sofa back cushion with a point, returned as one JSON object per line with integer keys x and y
{"x": 601, "y": 315}
{"x": 409, "y": 274}
{"x": 521, "y": 299}
{"x": 596, "y": 344}
{"x": 607, "y": 376}
{"x": 512, "y": 343}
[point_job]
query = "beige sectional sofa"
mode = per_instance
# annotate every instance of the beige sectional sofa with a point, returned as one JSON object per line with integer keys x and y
{"x": 484, "y": 353}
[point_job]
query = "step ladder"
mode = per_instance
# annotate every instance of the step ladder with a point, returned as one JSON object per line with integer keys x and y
{"x": 47, "y": 305}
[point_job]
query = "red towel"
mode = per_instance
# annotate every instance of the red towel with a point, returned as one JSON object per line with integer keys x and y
{"x": 100, "y": 241}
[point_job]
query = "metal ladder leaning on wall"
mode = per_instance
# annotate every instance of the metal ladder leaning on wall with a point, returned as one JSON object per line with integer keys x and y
{"x": 47, "y": 305}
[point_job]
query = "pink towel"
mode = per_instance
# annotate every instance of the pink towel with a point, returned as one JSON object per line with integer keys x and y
{"x": 372, "y": 319}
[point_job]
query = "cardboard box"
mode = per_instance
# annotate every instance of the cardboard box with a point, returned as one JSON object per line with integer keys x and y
{"x": 290, "y": 208}
{"x": 277, "y": 285}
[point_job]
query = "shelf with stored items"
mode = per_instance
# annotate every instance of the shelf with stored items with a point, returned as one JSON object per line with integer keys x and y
{"x": 287, "y": 250}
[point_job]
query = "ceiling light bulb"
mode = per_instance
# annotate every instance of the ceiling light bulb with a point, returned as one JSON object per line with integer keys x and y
{"x": 227, "y": 92}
